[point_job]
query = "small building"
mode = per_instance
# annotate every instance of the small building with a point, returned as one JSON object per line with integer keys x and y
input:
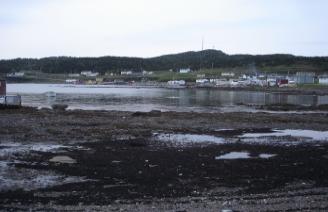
{"x": 257, "y": 82}
{"x": 147, "y": 72}
{"x": 305, "y": 77}
{"x": 16, "y": 74}
{"x": 85, "y": 73}
{"x": 233, "y": 82}
{"x": 201, "y": 81}
{"x": 213, "y": 80}
{"x": 271, "y": 82}
{"x": 220, "y": 82}
{"x": 8, "y": 101}
{"x": 71, "y": 81}
{"x": 89, "y": 73}
{"x": 323, "y": 80}
{"x": 185, "y": 70}
{"x": 93, "y": 74}
{"x": 176, "y": 82}
{"x": 13, "y": 100}
{"x": 227, "y": 74}
{"x": 200, "y": 76}
{"x": 99, "y": 80}
{"x": 90, "y": 82}
{"x": 126, "y": 72}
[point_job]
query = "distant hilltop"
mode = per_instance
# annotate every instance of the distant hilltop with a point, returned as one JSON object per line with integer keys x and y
{"x": 195, "y": 60}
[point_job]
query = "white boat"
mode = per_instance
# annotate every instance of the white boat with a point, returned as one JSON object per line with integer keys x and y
{"x": 50, "y": 94}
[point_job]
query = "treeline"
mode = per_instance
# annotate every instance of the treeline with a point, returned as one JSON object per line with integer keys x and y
{"x": 193, "y": 60}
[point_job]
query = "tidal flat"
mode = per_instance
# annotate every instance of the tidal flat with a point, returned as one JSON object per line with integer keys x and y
{"x": 162, "y": 161}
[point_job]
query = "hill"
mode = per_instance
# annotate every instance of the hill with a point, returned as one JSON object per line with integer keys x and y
{"x": 206, "y": 59}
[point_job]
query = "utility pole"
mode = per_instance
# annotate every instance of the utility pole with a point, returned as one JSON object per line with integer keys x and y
{"x": 200, "y": 55}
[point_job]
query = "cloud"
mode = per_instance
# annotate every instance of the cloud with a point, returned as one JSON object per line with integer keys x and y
{"x": 148, "y": 28}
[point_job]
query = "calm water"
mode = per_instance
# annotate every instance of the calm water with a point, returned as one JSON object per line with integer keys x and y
{"x": 146, "y": 99}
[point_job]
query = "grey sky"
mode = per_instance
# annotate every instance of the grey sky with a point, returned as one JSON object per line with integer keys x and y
{"x": 145, "y": 28}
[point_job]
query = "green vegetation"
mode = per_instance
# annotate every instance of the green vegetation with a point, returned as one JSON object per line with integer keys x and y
{"x": 208, "y": 61}
{"x": 38, "y": 77}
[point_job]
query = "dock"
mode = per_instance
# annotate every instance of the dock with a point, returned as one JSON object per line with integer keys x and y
{"x": 8, "y": 101}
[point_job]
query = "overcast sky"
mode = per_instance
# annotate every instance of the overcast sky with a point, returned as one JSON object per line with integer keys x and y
{"x": 146, "y": 28}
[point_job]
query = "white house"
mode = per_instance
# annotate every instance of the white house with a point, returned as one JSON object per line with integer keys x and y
{"x": 176, "y": 82}
{"x": 16, "y": 74}
{"x": 233, "y": 82}
{"x": 85, "y": 73}
{"x": 147, "y": 72}
{"x": 89, "y": 73}
{"x": 126, "y": 72}
{"x": 323, "y": 80}
{"x": 305, "y": 77}
{"x": 214, "y": 80}
{"x": 271, "y": 82}
{"x": 94, "y": 74}
{"x": 202, "y": 81}
{"x": 185, "y": 70}
{"x": 71, "y": 81}
{"x": 227, "y": 74}
{"x": 219, "y": 82}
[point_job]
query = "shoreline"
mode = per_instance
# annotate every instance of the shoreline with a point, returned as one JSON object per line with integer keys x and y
{"x": 116, "y": 160}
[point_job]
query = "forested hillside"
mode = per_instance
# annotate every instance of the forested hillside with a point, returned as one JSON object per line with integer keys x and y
{"x": 193, "y": 60}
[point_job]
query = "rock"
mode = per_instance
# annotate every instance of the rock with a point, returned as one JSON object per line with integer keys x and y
{"x": 60, "y": 107}
{"x": 153, "y": 113}
{"x": 63, "y": 159}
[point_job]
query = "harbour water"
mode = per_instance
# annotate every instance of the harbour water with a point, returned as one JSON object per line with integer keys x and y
{"x": 95, "y": 97}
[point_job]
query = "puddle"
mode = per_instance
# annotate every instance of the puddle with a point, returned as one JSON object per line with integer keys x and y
{"x": 188, "y": 138}
{"x": 243, "y": 155}
{"x": 12, "y": 149}
{"x": 173, "y": 97}
{"x": 224, "y": 130}
{"x": 14, "y": 178}
{"x": 266, "y": 156}
{"x": 233, "y": 155}
{"x": 63, "y": 159}
{"x": 310, "y": 134}
{"x": 9, "y": 149}
{"x": 262, "y": 136}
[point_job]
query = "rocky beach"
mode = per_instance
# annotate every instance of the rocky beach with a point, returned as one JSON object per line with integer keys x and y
{"x": 162, "y": 161}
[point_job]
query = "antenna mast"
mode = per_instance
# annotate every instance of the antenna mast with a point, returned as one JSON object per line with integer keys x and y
{"x": 202, "y": 43}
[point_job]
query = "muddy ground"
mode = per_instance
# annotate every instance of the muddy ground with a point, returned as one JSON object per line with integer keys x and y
{"x": 124, "y": 168}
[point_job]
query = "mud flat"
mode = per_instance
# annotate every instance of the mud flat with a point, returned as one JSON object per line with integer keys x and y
{"x": 162, "y": 161}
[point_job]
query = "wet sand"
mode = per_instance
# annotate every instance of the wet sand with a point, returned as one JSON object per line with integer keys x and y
{"x": 112, "y": 160}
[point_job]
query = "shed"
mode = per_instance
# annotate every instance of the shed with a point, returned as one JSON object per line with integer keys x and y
{"x": 13, "y": 100}
{"x": 305, "y": 77}
{"x": 323, "y": 80}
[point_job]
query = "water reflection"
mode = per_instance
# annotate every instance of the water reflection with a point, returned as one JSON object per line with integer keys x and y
{"x": 144, "y": 99}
